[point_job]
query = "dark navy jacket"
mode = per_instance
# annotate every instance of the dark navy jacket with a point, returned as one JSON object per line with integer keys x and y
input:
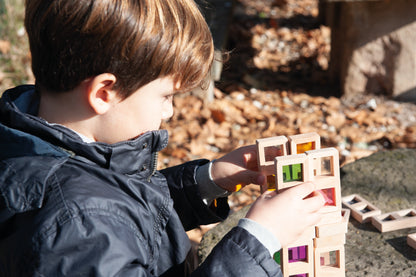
{"x": 68, "y": 208}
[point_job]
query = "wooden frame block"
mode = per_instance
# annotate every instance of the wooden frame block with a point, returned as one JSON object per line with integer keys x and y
{"x": 304, "y": 142}
{"x": 337, "y": 239}
{"x": 291, "y": 170}
{"x": 265, "y": 163}
{"x": 361, "y": 209}
{"x": 307, "y": 237}
{"x": 306, "y": 264}
{"x": 327, "y": 230}
{"x": 325, "y": 164}
{"x": 323, "y": 264}
{"x": 346, "y": 215}
{"x": 330, "y": 218}
{"x": 395, "y": 220}
{"x": 294, "y": 264}
{"x": 328, "y": 181}
{"x": 411, "y": 240}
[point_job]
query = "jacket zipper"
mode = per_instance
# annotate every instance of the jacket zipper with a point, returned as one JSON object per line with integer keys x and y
{"x": 154, "y": 165}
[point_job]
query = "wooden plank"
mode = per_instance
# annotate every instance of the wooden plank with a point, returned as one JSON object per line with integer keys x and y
{"x": 361, "y": 209}
{"x": 411, "y": 240}
{"x": 395, "y": 220}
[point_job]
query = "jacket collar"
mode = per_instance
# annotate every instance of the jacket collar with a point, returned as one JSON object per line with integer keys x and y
{"x": 18, "y": 107}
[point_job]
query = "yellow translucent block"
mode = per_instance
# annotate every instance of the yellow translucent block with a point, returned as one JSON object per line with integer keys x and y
{"x": 271, "y": 182}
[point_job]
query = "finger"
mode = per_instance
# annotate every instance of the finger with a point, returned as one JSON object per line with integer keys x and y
{"x": 303, "y": 190}
{"x": 268, "y": 194}
{"x": 250, "y": 157}
{"x": 314, "y": 203}
{"x": 252, "y": 177}
{"x": 264, "y": 187}
{"x": 313, "y": 219}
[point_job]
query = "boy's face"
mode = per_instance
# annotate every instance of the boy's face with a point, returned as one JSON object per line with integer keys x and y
{"x": 142, "y": 111}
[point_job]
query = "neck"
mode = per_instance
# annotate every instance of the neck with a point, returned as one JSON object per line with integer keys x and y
{"x": 67, "y": 109}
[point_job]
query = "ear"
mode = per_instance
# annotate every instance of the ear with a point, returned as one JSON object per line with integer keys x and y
{"x": 100, "y": 93}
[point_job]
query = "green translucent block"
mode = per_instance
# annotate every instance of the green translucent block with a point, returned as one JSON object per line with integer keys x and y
{"x": 292, "y": 173}
{"x": 276, "y": 257}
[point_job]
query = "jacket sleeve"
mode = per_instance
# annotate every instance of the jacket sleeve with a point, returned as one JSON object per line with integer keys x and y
{"x": 187, "y": 200}
{"x": 239, "y": 254}
{"x": 99, "y": 245}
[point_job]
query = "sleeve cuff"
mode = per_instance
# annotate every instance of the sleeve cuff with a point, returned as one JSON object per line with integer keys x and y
{"x": 262, "y": 234}
{"x": 208, "y": 188}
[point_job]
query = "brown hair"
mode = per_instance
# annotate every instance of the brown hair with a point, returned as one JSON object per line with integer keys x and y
{"x": 136, "y": 40}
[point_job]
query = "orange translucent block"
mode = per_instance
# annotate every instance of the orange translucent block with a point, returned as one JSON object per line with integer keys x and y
{"x": 304, "y": 142}
{"x": 303, "y": 147}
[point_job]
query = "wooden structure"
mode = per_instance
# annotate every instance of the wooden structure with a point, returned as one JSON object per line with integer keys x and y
{"x": 320, "y": 251}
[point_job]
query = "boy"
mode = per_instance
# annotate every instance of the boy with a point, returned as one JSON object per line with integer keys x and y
{"x": 80, "y": 193}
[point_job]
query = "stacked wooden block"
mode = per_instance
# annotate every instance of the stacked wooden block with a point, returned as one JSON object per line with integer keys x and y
{"x": 291, "y": 161}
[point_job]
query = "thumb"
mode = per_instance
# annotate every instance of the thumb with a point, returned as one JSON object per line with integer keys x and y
{"x": 250, "y": 160}
{"x": 254, "y": 177}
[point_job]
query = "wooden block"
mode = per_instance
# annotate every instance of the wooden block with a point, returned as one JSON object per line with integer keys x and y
{"x": 330, "y": 261}
{"x": 330, "y": 218}
{"x": 298, "y": 259}
{"x": 327, "y": 230}
{"x": 361, "y": 209}
{"x": 395, "y": 220}
{"x": 267, "y": 150}
{"x": 346, "y": 214}
{"x": 304, "y": 142}
{"x": 411, "y": 240}
{"x": 271, "y": 182}
{"x": 306, "y": 237}
{"x": 324, "y": 172}
{"x": 291, "y": 170}
{"x": 325, "y": 163}
{"x": 333, "y": 240}
{"x": 332, "y": 195}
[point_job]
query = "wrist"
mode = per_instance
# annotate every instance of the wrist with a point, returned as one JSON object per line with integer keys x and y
{"x": 209, "y": 190}
{"x": 264, "y": 235}
{"x": 217, "y": 178}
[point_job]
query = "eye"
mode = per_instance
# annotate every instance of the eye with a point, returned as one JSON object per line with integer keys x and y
{"x": 169, "y": 97}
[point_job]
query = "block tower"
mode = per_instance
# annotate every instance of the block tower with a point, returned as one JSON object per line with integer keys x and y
{"x": 294, "y": 160}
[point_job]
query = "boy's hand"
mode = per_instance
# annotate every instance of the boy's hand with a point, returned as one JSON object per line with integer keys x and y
{"x": 288, "y": 213}
{"x": 238, "y": 167}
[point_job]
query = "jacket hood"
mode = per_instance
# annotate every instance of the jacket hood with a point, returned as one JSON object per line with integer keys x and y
{"x": 22, "y": 134}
